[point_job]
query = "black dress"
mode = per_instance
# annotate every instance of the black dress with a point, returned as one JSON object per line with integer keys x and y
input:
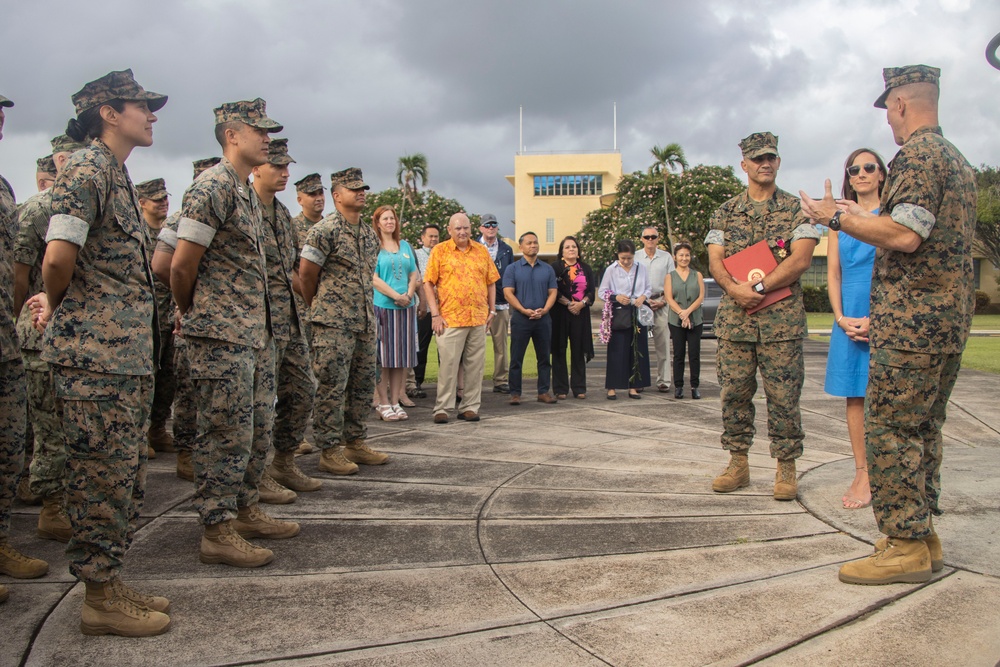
{"x": 572, "y": 329}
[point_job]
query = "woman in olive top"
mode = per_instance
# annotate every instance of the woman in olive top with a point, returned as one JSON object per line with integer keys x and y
{"x": 685, "y": 292}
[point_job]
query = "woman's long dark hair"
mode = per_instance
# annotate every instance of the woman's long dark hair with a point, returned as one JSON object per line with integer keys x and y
{"x": 89, "y": 124}
{"x": 847, "y": 191}
{"x": 559, "y": 256}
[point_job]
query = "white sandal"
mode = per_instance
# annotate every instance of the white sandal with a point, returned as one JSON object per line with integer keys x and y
{"x": 400, "y": 412}
{"x": 387, "y": 413}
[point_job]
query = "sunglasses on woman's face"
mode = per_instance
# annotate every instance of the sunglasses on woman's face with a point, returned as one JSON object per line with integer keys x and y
{"x": 854, "y": 170}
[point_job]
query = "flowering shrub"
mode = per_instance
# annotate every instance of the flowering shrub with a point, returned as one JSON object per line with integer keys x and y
{"x": 695, "y": 194}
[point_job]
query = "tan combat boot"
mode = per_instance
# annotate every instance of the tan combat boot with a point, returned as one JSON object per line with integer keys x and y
{"x": 304, "y": 448}
{"x": 160, "y": 440}
{"x": 53, "y": 523}
{"x": 185, "y": 468}
{"x": 254, "y": 522}
{"x": 900, "y": 562}
{"x": 284, "y": 471}
{"x": 4, "y": 593}
{"x": 933, "y": 543}
{"x": 151, "y": 602}
{"x": 222, "y": 544}
{"x": 24, "y": 493}
{"x": 333, "y": 461}
{"x": 785, "y": 485}
{"x": 106, "y": 612}
{"x": 735, "y": 476}
{"x": 15, "y": 564}
{"x": 358, "y": 452}
{"x": 272, "y": 493}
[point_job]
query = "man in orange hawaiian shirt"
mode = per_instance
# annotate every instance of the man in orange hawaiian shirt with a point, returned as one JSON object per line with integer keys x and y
{"x": 461, "y": 311}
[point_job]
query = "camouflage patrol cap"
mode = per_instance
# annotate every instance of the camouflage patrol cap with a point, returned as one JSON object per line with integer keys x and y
{"x": 63, "y": 144}
{"x": 310, "y": 184}
{"x": 153, "y": 189}
{"x": 4, "y": 102}
{"x": 900, "y": 76}
{"x": 115, "y": 86}
{"x": 277, "y": 152}
{"x": 251, "y": 112}
{"x": 759, "y": 143}
{"x": 350, "y": 178}
{"x": 203, "y": 164}
{"x": 46, "y": 165}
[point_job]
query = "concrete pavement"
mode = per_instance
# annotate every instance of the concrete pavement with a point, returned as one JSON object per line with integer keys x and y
{"x": 582, "y": 533}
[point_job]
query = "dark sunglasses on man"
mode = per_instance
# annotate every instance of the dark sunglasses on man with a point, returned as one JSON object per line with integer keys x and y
{"x": 650, "y": 237}
{"x": 854, "y": 170}
{"x": 489, "y": 224}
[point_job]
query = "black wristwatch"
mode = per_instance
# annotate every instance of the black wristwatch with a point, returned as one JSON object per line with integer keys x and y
{"x": 835, "y": 221}
{"x": 759, "y": 287}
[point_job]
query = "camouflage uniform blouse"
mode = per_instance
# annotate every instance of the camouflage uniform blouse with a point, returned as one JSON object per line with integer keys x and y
{"x": 29, "y": 249}
{"x": 736, "y": 226}
{"x": 348, "y": 253}
{"x": 281, "y": 249}
{"x": 106, "y": 321}
{"x": 9, "y": 348}
{"x": 164, "y": 298}
{"x": 923, "y": 301}
{"x": 230, "y": 300}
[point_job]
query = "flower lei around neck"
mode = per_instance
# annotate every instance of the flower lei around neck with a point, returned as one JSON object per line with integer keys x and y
{"x": 605, "y": 334}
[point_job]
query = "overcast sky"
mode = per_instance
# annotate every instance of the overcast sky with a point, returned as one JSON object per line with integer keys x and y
{"x": 360, "y": 83}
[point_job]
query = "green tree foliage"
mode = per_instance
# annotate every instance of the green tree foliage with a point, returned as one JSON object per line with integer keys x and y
{"x": 409, "y": 170}
{"x": 695, "y": 194}
{"x": 988, "y": 214}
{"x": 429, "y": 208}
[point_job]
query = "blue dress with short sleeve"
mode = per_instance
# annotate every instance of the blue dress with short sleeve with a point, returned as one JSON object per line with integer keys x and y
{"x": 847, "y": 361}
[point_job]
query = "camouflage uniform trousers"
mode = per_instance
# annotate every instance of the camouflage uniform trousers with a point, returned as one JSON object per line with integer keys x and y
{"x": 105, "y": 418}
{"x": 296, "y": 392}
{"x": 166, "y": 380}
{"x": 12, "y": 419}
{"x": 236, "y": 391}
{"x": 344, "y": 364}
{"x": 905, "y": 407}
{"x": 185, "y": 399}
{"x": 782, "y": 369}
{"x": 48, "y": 464}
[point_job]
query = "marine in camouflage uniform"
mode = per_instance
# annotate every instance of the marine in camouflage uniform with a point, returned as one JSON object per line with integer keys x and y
{"x": 338, "y": 264}
{"x": 185, "y": 406}
{"x": 45, "y": 172}
{"x": 153, "y": 199}
{"x": 12, "y": 390}
{"x": 219, "y": 281}
{"x": 296, "y": 388}
{"x": 921, "y": 313}
{"x": 769, "y": 340}
{"x": 101, "y": 341}
{"x": 48, "y": 461}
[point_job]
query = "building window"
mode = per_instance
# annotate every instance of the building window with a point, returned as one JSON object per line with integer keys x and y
{"x": 550, "y": 230}
{"x": 570, "y": 185}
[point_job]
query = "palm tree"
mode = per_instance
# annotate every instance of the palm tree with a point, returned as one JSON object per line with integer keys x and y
{"x": 411, "y": 168}
{"x": 668, "y": 158}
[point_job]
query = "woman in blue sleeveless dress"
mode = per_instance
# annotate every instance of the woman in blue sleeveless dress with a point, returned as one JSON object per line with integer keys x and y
{"x": 849, "y": 280}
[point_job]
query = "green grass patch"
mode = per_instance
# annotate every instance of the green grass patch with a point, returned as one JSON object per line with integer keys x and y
{"x": 530, "y": 369}
{"x": 982, "y": 353}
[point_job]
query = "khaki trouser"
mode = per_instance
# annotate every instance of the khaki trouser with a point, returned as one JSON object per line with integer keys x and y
{"x": 501, "y": 358}
{"x": 465, "y": 346}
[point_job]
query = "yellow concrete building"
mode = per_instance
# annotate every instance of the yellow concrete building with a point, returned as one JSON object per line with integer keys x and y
{"x": 554, "y": 192}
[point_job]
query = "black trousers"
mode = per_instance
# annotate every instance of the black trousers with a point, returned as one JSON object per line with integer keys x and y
{"x": 424, "y": 335}
{"x": 690, "y": 338}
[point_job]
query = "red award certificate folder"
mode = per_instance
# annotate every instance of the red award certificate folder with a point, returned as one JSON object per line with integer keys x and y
{"x": 751, "y": 265}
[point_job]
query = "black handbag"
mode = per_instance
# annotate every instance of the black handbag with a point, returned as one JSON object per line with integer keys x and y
{"x": 623, "y": 317}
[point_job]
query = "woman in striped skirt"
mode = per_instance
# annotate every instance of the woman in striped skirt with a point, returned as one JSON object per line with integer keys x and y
{"x": 396, "y": 280}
